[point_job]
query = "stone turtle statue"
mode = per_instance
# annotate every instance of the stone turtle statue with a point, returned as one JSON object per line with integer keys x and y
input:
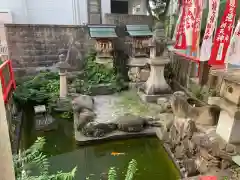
{"x": 83, "y": 106}
{"x": 133, "y": 123}
{"x": 95, "y": 129}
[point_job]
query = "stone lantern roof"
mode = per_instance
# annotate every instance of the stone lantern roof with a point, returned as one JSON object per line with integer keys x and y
{"x": 63, "y": 65}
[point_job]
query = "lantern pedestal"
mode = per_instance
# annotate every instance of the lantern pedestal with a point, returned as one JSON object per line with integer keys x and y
{"x": 156, "y": 85}
{"x": 139, "y": 70}
{"x": 107, "y": 61}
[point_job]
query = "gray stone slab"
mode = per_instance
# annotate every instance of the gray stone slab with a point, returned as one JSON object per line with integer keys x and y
{"x": 83, "y": 140}
{"x": 151, "y": 98}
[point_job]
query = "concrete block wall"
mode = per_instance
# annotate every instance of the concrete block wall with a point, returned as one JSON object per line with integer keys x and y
{"x": 35, "y": 47}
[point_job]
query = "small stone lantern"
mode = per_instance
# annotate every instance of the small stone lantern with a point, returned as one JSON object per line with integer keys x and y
{"x": 63, "y": 67}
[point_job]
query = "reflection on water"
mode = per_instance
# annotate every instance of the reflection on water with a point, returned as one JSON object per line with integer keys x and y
{"x": 153, "y": 161}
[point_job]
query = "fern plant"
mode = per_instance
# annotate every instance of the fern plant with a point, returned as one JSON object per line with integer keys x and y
{"x": 33, "y": 157}
{"x": 132, "y": 168}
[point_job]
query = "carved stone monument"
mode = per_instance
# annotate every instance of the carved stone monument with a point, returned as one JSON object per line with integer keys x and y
{"x": 156, "y": 85}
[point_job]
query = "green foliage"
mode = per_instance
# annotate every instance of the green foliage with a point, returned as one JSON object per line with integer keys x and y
{"x": 39, "y": 89}
{"x": 33, "y": 157}
{"x": 67, "y": 115}
{"x": 95, "y": 74}
{"x": 44, "y": 88}
{"x": 132, "y": 169}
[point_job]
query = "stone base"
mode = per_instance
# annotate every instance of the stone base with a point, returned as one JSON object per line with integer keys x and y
{"x": 116, "y": 135}
{"x": 151, "y": 98}
{"x": 135, "y": 85}
{"x": 228, "y": 127}
{"x": 101, "y": 89}
{"x": 63, "y": 105}
{"x": 107, "y": 61}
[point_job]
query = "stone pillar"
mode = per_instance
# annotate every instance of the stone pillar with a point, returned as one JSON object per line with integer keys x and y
{"x": 63, "y": 66}
{"x": 63, "y": 84}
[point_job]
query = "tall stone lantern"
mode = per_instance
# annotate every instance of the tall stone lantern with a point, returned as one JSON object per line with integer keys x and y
{"x": 63, "y": 67}
{"x": 156, "y": 85}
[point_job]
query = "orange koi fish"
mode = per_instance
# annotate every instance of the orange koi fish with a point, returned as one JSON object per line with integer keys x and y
{"x": 117, "y": 153}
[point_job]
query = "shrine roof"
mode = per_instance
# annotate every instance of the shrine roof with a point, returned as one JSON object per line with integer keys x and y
{"x": 139, "y": 30}
{"x": 102, "y": 31}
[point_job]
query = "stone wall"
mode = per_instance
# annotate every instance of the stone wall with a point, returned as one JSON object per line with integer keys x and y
{"x": 36, "y": 47}
{"x": 119, "y": 19}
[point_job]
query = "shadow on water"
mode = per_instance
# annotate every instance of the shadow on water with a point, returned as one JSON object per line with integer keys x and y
{"x": 92, "y": 161}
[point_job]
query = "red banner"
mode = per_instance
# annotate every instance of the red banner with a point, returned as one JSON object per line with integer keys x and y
{"x": 197, "y": 25}
{"x": 223, "y": 34}
{"x": 181, "y": 36}
{"x": 206, "y": 47}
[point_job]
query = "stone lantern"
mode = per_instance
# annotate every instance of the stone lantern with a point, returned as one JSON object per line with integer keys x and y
{"x": 63, "y": 67}
{"x": 156, "y": 85}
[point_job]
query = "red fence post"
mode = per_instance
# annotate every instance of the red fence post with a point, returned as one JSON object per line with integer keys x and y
{"x": 6, "y": 88}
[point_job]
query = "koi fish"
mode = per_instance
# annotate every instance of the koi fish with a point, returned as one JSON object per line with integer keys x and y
{"x": 117, "y": 153}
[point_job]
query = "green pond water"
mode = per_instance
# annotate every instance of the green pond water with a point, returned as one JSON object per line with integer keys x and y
{"x": 91, "y": 161}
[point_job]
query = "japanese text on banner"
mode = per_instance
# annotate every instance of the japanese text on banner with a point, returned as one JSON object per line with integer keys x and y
{"x": 223, "y": 34}
{"x": 210, "y": 26}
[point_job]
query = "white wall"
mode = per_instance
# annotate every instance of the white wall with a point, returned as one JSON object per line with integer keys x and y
{"x": 46, "y": 11}
{"x": 57, "y": 11}
{"x": 16, "y": 8}
{"x": 49, "y": 11}
{"x": 106, "y": 8}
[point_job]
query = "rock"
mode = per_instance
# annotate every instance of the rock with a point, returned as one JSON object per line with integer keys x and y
{"x": 230, "y": 148}
{"x": 179, "y": 151}
{"x": 180, "y": 107}
{"x": 185, "y": 127}
{"x": 84, "y": 117}
{"x": 95, "y": 129}
{"x": 164, "y": 104}
{"x": 166, "y": 120}
{"x": 205, "y": 115}
{"x": 131, "y": 123}
{"x": 208, "y": 115}
{"x": 173, "y": 136}
{"x": 82, "y": 111}
{"x": 189, "y": 146}
{"x": 201, "y": 140}
{"x": 190, "y": 167}
{"x": 201, "y": 165}
{"x": 82, "y": 102}
{"x": 225, "y": 164}
{"x": 162, "y": 135}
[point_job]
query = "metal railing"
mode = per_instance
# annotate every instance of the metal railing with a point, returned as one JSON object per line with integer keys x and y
{"x": 7, "y": 79}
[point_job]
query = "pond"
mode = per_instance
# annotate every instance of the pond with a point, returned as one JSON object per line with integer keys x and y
{"x": 92, "y": 161}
